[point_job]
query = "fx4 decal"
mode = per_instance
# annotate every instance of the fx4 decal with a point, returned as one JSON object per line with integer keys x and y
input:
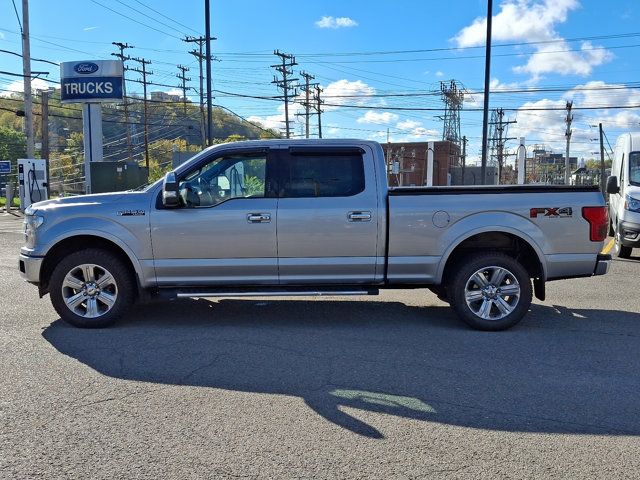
{"x": 551, "y": 212}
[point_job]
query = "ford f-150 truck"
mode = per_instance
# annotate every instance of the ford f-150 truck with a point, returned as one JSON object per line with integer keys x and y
{"x": 310, "y": 217}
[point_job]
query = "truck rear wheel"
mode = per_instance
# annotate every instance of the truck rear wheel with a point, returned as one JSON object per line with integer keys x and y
{"x": 91, "y": 288}
{"x": 490, "y": 291}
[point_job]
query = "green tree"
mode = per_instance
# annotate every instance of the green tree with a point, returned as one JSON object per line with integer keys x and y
{"x": 12, "y": 146}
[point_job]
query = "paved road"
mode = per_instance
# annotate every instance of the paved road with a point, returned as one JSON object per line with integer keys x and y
{"x": 381, "y": 387}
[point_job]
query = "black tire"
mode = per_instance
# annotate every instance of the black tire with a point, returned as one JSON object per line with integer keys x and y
{"x": 123, "y": 285}
{"x": 462, "y": 276}
{"x": 440, "y": 291}
{"x": 619, "y": 250}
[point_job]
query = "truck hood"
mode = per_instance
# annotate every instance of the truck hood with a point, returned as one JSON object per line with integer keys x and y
{"x": 81, "y": 201}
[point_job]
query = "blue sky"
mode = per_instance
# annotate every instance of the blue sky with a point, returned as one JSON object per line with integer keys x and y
{"x": 557, "y": 50}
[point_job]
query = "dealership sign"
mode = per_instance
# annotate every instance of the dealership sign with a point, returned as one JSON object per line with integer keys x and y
{"x": 91, "y": 81}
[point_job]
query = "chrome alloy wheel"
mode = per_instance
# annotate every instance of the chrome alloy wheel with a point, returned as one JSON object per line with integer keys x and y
{"x": 492, "y": 293}
{"x": 89, "y": 290}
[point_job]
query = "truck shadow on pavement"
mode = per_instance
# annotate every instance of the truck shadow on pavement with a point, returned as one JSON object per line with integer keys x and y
{"x": 559, "y": 371}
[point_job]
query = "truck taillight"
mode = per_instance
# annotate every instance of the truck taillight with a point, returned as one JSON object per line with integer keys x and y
{"x": 598, "y": 222}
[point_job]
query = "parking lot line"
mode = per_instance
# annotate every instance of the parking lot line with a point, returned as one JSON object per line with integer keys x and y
{"x": 608, "y": 246}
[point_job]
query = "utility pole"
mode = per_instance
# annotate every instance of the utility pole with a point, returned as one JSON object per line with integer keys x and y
{"x": 284, "y": 68}
{"x": 184, "y": 79}
{"x": 487, "y": 80}
{"x": 464, "y": 156}
{"x": 307, "y": 103}
{"x": 501, "y": 127}
{"x": 200, "y": 57}
{"x": 44, "y": 151}
{"x": 319, "y": 103}
{"x": 603, "y": 180}
{"x": 207, "y": 34}
{"x": 144, "y": 74}
{"x": 122, "y": 47}
{"x": 26, "y": 72}
{"x": 567, "y": 164}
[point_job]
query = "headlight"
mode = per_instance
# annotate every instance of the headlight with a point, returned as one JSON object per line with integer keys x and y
{"x": 31, "y": 224}
{"x": 632, "y": 204}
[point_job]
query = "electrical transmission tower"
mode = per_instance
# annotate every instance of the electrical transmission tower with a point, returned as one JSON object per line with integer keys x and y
{"x": 144, "y": 72}
{"x": 122, "y": 47}
{"x": 286, "y": 83}
{"x": 498, "y": 136}
{"x": 453, "y": 98}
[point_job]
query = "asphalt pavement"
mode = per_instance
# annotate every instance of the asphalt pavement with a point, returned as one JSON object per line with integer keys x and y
{"x": 365, "y": 387}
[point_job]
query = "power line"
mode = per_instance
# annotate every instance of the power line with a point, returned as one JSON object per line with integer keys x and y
{"x": 32, "y": 59}
{"x": 134, "y": 20}
{"x": 165, "y": 16}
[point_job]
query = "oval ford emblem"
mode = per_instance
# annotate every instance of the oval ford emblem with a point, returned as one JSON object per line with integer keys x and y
{"x": 87, "y": 67}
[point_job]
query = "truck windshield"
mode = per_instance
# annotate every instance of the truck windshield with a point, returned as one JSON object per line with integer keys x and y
{"x": 634, "y": 168}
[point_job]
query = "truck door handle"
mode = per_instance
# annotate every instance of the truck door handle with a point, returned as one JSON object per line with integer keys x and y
{"x": 258, "y": 217}
{"x": 359, "y": 216}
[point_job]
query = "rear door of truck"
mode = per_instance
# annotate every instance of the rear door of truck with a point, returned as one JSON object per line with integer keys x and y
{"x": 327, "y": 222}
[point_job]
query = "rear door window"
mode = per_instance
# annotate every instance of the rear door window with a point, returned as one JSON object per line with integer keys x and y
{"x": 318, "y": 175}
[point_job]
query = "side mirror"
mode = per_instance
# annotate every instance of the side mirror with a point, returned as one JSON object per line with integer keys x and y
{"x": 170, "y": 196}
{"x": 612, "y": 185}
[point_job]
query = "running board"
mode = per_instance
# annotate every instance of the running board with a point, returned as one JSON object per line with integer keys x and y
{"x": 283, "y": 293}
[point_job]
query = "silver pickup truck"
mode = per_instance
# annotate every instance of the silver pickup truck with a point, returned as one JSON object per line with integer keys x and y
{"x": 310, "y": 217}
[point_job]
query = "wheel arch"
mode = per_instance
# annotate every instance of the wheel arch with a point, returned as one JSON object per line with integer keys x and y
{"x": 80, "y": 241}
{"x": 502, "y": 239}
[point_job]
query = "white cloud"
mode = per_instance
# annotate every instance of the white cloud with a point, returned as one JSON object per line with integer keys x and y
{"x": 536, "y": 21}
{"x": 347, "y": 92}
{"x": 277, "y": 121}
{"x": 371, "y": 116}
{"x": 335, "y": 94}
{"x": 336, "y": 22}
{"x": 439, "y": 73}
{"x": 408, "y": 124}
{"x": 556, "y": 58}
{"x": 88, "y": 29}
{"x": 18, "y": 86}
{"x": 548, "y": 126}
{"x": 174, "y": 91}
{"x": 525, "y": 20}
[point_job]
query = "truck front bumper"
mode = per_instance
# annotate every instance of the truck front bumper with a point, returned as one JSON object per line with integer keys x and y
{"x": 30, "y": 268}
{"x": 630, "y": 234}
{"x": 603, "y": 262}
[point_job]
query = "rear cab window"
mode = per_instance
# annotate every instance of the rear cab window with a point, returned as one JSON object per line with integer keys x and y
{"x": 321, "y": 174}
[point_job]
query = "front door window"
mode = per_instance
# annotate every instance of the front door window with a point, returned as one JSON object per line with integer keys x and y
{"x": 224, "y": 178}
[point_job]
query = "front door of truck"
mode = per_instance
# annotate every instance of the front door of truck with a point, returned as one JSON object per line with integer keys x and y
{"x": 327, "y": 216}
{"x": 225, "y": 231}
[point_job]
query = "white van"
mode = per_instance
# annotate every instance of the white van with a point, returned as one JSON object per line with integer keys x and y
{"x": 623, "y": 187}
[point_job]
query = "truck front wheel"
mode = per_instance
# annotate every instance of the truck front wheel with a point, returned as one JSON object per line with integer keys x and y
{"x": 91, "y": 288}
{"x": 490, "y": 291}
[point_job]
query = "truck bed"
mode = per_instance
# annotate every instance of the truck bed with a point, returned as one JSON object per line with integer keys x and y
{"x": 480, "y": 189}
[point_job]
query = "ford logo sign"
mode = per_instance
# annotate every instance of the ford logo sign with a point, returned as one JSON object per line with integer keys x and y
{"x": 85, "y": 68}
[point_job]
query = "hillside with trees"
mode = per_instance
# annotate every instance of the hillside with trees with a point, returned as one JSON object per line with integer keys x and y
{"x": 172, "y": 126}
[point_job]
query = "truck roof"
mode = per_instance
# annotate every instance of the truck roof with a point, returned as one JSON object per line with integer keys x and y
{"x": 284, "y": 142}
{"x": 634, "y": 138}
